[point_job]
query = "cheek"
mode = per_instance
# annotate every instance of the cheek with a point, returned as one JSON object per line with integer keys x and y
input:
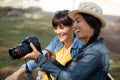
{"x": 84, "y": 31}
{"x": 87, "y": 32}
{"x": 66, "y": 30}
{"x": 55, "y": 31}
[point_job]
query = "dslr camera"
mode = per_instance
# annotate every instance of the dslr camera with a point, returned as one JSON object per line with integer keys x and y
{"x": 24, "y": 48}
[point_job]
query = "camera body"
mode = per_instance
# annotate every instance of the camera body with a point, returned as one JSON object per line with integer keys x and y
{"x": 24, "y": 48}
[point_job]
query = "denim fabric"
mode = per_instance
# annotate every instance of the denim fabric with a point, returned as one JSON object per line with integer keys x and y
{"x": 93, "y": 64}
{"x": 55, "y": 45}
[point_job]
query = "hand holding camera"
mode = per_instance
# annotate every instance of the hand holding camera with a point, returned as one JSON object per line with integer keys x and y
{"x": 29, "y": 45}
{"x": 50, "y": 55}
{"x": 32, "y": 55}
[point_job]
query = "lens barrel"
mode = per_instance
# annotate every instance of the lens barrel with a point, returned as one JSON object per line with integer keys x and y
{"x": 24, "y": 48}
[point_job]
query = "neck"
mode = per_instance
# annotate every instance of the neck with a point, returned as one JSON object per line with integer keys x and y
{"x": 68, "y": 42}
{"x": 84, "y": 40}
{"x": 87, "y": 40}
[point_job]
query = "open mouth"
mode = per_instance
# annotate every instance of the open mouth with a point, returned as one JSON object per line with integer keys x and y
{"x": 77, "y": 31}
{"x": 61, "y": 35}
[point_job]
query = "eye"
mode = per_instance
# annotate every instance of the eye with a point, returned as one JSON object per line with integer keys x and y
{"x": 62, "y": 27}
{"x": 78, "y": 20}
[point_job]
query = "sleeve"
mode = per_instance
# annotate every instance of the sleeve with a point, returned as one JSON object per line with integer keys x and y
{"x": 31, "y": 65}
{"x": 59, "y": 65}
{"x": 83, "y": 68}
{"x": 47, "y": 66}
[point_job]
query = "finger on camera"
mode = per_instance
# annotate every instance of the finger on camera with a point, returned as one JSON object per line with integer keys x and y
{"x": 32, "y": 46}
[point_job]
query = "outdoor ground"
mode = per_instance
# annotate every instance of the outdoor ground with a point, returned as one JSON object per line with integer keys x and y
{"x": 13, "y": 28}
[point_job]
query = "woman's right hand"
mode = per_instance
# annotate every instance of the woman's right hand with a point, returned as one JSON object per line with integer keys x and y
{"x": 32, "y": 55}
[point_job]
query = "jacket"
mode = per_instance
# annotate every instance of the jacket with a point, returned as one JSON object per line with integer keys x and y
{"x": 93, "y": 64}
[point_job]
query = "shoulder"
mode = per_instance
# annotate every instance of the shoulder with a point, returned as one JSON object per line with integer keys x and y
{"x": 55, "y": 39}
{"x": 100, "y": 46}
{"x": 97, "y": 48}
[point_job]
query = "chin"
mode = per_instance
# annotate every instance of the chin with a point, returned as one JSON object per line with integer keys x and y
{"x": 61, "y": 40}
{"x": 79, "y": 37}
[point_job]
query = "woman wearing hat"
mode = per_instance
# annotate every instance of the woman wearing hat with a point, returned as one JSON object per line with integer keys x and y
{"x": 92, "y": 60}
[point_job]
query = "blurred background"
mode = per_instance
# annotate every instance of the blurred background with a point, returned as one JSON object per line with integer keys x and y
{"x": 22, "y": 18}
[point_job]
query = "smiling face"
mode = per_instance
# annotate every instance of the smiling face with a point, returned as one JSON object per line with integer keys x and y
{"x": 64, "y": 33}
{"x": 81, "y": 28}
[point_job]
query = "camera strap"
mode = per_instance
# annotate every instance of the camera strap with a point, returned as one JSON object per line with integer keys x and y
{"x": 28, "y": 72}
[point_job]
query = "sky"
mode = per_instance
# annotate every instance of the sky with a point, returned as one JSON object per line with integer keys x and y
{"x": 110, "y": 7}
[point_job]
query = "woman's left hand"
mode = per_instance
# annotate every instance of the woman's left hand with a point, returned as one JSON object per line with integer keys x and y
{"x": 33, "y": 55}
{"x": 50, "y": 55}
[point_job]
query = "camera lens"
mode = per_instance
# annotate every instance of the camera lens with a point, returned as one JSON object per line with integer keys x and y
{"x": 24, "y": 48}
{"x": 19, "y": 51}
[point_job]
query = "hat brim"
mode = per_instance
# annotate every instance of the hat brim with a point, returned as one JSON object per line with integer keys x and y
{"x": 72, "y": 14}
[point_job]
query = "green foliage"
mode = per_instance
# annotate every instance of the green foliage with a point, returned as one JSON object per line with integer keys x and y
{"x": 15, "y": 28}
{"x": 115, "y": 66}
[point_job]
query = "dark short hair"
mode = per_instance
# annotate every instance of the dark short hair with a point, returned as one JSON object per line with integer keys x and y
{"x": 61, "y": 17}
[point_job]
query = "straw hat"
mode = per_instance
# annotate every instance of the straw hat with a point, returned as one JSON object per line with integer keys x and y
{"x": 91, "y": 9}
